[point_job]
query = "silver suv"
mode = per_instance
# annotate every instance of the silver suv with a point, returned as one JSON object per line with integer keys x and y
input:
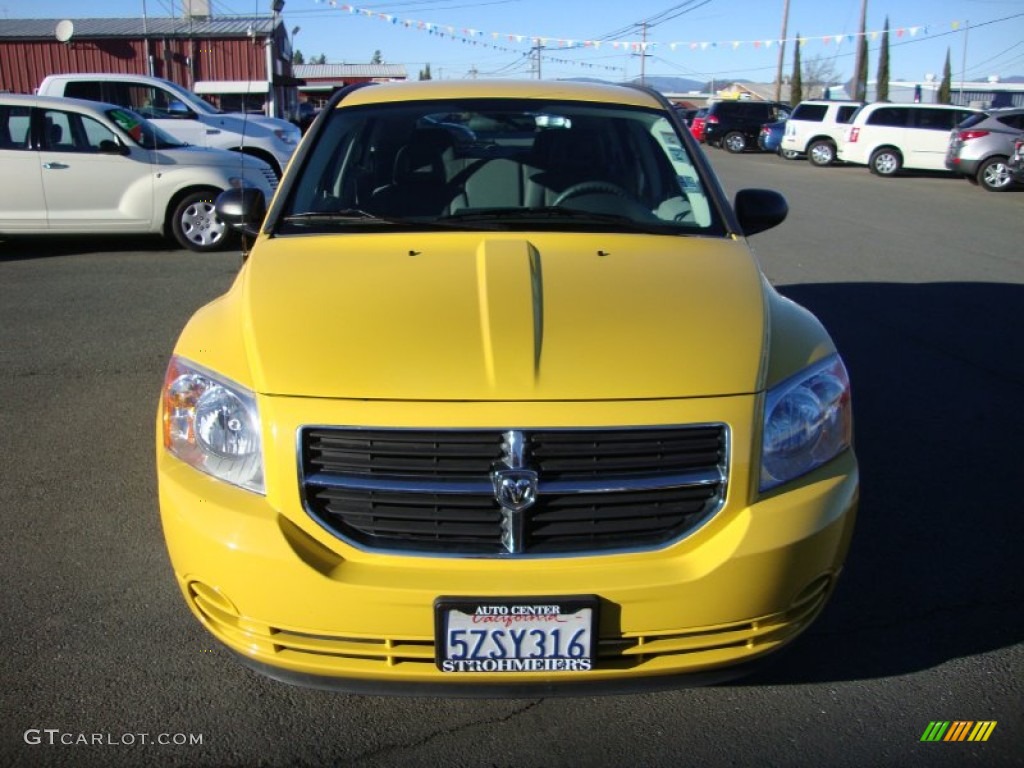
{"x": 980, "y": 147}
{"x": 816, "y": 127}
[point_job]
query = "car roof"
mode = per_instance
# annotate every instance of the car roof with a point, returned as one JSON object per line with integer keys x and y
{"x": 135, "y": 78}
{"x": 903, "y": 104}
{"x": 845, "y": 102}
{"x": 56, "y": 102}
{"x": 501, "y": 89}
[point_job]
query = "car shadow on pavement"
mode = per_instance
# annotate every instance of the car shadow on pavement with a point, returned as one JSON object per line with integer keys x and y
{"x": 21, "y": 248}
{"x": 934, "y": 570}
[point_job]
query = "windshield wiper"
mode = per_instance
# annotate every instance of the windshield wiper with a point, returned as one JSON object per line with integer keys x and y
{"x": 349, "y": 215}
{"x": 357, "y": 216}
{"x": 345, "y": 214}
{"x": 554, "y": 213}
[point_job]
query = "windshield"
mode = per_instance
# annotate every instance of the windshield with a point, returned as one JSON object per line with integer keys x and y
{"x": 143, "y": 132}
{"x": 194, "y": 103}
{"x": 500, "y": 164}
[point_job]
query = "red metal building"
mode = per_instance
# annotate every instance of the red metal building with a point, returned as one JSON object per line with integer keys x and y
{"x": 255, "y": 51}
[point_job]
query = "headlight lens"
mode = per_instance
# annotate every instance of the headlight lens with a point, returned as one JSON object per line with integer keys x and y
{"x": 808, "y": 420}
{"x": 212, "y": 424}
{"x": 287, "y": 136}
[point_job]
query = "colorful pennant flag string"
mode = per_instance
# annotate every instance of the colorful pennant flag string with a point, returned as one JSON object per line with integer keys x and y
{"x": 499, "y": 40}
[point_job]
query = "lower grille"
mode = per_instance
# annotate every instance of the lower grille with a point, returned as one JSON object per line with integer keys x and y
{"x": 617, "y": 651}
{"x": 493, "y": 493}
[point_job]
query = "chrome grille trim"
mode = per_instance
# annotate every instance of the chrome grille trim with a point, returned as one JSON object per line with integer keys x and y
{"x": 513, "y": 493}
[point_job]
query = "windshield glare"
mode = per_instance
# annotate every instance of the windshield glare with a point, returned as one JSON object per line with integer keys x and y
{"x": 497, "y": 163}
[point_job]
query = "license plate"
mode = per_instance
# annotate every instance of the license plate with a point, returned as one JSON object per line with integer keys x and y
{"x": 542, "y": 634}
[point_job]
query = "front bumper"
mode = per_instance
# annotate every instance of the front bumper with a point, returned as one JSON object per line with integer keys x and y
{"x": 301, "y": 605}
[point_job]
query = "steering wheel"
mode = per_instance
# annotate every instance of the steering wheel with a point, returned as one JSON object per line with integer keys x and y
{"x": 591, "y": 188}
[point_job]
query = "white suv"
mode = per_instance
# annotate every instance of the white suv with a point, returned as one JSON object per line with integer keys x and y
{"x": 816, "y": 128}
{"x": 82, "y": 167}
{"x": 890, "y": 137}
{"x": 183, "y": 114}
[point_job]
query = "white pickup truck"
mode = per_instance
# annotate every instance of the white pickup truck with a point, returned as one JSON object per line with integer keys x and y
{"x": 183, "y": 114}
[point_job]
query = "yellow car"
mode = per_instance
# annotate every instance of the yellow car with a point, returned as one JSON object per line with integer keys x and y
{"x": 500, "y": 402}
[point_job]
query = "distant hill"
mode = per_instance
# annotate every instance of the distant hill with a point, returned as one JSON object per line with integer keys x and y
{"x": 670, "y": 84}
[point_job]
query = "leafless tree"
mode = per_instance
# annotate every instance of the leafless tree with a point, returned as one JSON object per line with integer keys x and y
{"x": 817, "y": 74}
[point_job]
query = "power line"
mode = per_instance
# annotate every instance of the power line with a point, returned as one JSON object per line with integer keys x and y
{"x": 656, "y": 20}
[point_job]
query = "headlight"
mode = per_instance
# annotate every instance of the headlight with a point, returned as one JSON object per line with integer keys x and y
{"x": 808, "y": 420}
{"x": 287, "y": 137}
{"x": 212, "y": 424}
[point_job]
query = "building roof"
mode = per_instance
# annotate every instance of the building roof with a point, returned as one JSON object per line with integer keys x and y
{"x": 45, "y": 29}
{"x": 342, "y": 71}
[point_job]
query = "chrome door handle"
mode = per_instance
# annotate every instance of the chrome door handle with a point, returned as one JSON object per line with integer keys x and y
{"x": 55, "y": 166}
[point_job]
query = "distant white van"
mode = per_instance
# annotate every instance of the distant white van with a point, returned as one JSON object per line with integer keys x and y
{"x": 890, "y": 137}
{"x": 183, "y": 114}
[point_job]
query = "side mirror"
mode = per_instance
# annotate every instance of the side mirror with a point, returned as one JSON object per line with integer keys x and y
{"x": 111, "y": 147}
{"x": 179, "y": 110}
{"x": 242, "y": 209}
{"x": 759, "y": 209}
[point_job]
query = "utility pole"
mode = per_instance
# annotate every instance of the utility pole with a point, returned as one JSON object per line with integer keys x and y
{"x": 963, "y": 63}
{"x": 643, "y": 52}
{"x": 535, "y": 66}
{"x": 860, "y": 89}
{"x": 782, "y": 51}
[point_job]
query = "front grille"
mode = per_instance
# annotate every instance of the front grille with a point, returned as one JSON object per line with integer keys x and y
{"x": 566, "y": 491}
{"x": 270, "y": 176}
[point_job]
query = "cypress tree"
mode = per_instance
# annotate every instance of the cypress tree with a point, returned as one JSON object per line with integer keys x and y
{"x": 862, "y": 78}
{"x": 882, "y": 87}
{"x": 945, "y": 94}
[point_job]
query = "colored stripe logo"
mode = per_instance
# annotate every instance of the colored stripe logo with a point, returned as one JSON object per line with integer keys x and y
{"x": 958, "y": 730}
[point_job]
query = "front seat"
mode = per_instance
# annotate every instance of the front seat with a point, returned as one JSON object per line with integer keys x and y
{"x": 419, "y": 185}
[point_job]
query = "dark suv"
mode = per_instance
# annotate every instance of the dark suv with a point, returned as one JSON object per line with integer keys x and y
{"x": 735, "y": 125}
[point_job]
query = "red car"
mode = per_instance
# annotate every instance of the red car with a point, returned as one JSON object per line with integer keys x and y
{"x": 697, "y": 124}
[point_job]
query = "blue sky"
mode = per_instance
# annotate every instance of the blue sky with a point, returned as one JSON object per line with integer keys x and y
{"x": 698, "y": 39}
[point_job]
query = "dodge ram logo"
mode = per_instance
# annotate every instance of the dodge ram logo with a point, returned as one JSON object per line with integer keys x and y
{"x": 515, "y": 489}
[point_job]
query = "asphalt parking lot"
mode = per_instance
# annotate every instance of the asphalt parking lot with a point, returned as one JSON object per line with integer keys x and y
{"x": 920, "y": 280}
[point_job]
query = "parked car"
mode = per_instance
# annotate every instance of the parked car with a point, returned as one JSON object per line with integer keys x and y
{"x": 980, "y": 147}
{"x": 815, "y": 128}
{"x": 614, "y": 454}
{"x": 735, "y": 125}
{"x": 686, "y": 114}
{"x": 888, "y": 138}
{"x": 182, "y": 114}
{"x": 770, "y": 139}
{"x": 697, "y": 124}
{"x": 305, "y": 114}
{"x": 1016, "y": 163}
{"x": 83, "y": 167}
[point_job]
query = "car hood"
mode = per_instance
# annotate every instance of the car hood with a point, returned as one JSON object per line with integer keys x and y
{"x": 257, "y": 126}
{"x": 509, "y": 316}
{"x": 192, "y": 155}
